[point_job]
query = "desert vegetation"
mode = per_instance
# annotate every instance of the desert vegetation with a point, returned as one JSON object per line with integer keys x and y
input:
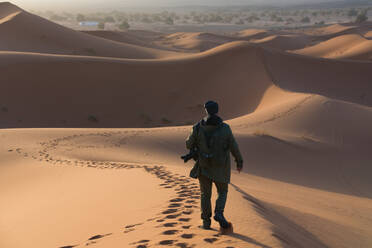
{"x": 248, "y": 16}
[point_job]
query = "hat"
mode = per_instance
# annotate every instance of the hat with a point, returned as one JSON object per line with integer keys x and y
{"x": 211, "y": 107}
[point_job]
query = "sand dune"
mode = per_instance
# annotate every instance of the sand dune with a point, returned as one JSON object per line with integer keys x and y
{"x": 368, "y": 35}
{"x": 199, "y": 42}
{"x": 321, "y": 76}
{"x": 127, "y": 83}
{"x": 241, "y": 65}
{"x": 196, "y": 42}
{"x": 283, "y": 42}
{"x": 330, "y": 31}
{"x": 123, "y": 37}
{"x": 284, "y": 197}
{"x": 351, "y": 46}
{"x": 249, "y": 34}
{"x": 134, "y": 37}
{"x": 302, "y": 123}
{"x": 22, "y": 31}
{"x": 7, "y": 9}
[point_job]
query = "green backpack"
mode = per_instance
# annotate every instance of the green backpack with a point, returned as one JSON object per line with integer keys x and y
{"x": 195, "y": 171}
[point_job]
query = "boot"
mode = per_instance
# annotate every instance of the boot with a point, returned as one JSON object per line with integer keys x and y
{"x": 221, "y": 220}
{"x": 206, "y": 224}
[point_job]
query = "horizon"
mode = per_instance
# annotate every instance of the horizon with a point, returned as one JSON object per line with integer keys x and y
{"x": 149, "y": 4}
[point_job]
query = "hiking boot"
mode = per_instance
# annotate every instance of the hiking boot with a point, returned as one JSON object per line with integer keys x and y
{"x": 221, "y": 220}
{"x": 206, "y": 224}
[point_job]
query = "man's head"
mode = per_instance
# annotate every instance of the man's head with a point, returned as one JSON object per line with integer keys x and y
{"x": 211, "y": 107}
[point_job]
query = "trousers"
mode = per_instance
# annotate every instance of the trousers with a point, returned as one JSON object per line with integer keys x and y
{"x": 206, "y": 193}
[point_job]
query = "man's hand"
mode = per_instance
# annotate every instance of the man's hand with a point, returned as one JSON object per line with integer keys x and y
{"x": 239, "y": 166}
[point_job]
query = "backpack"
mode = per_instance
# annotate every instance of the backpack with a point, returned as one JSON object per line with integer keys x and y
{"x": 195, "y": 171}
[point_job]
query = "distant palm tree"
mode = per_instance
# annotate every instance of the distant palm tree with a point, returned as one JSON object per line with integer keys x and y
{"x": 362, "y": 17}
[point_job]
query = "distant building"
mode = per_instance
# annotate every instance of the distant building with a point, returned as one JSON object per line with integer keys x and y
{"x": 88, "y": 24}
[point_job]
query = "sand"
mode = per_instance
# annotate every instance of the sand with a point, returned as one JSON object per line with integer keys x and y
{"x": 252, "y": 34}
{"x": 350, "y": 46}
{"x": 283, "y": 42}
{"x": 25, "y": 32}
{"x": 90, "y": 143}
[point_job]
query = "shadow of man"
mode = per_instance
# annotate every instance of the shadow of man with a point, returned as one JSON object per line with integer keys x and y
{"x": 248, "y": 240}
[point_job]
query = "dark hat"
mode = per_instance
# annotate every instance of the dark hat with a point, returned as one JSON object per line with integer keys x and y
{"x": 211, "y": 107}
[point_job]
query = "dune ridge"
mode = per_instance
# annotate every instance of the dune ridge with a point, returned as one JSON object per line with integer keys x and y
{"x": 198, "y": 42}
{"x": 351, "y": 46}
{"x": 22, "y": 31}
{"x": 283, "y": 42}
{"x": 91, "y": 73}
{"x": 6, "y": 9}
{"x": 330, "y": 31}
{"x": 252, "y": 34}
{"x": 250, "y": 69}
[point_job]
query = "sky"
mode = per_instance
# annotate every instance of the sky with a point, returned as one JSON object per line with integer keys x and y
{"x": 45, "y": 4}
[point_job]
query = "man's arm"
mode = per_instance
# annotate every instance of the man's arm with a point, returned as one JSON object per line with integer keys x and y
{"x": 234, "y": 149}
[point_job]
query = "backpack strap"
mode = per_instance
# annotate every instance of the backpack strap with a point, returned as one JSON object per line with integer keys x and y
{"x": 197, "y": 128}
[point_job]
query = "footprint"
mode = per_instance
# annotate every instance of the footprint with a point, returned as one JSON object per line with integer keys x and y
{"x": 143, "y": 241}
{"x": 129, "y": 230}
{"x": 184, "y": 191}
{"x": 184, "y": 219}
{"x": 133, "y": 225}
{"x": 172, "y": 216}
{"x": 187, "y": 235}
{"x": 170, "y": 224}
{"x": 185, "y": 195}
{"x": 170, "y": 211}
{"x": 167, "y": 242}
{"x": 96, "y": 237}
{"x": 210, "y": 240}
{"x": 182, "y": 245}
{"x": 170, "y": 232}
{"x": 173, "y": 205}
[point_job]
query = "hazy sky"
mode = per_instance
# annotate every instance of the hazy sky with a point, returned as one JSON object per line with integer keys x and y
{"x": 74, "y": 4}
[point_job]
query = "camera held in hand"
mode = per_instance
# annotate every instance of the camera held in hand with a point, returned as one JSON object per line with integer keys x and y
{"x": 193, "y": 154}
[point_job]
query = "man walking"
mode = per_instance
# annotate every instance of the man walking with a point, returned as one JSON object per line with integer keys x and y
{"x": 213, "y": 140}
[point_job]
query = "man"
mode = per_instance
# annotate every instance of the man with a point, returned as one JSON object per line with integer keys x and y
{"x": 214, "y": 141}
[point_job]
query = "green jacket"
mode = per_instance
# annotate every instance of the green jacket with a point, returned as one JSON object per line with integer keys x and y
{"x": 214, "y": 158}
